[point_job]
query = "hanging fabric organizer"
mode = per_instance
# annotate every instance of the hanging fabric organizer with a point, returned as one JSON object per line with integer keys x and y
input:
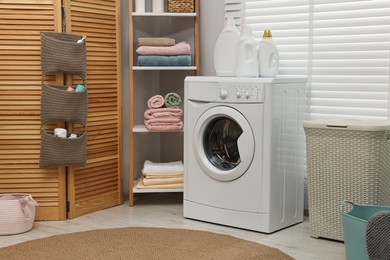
{"x": 59, "y": 104}
{"x": 63, "y": 52}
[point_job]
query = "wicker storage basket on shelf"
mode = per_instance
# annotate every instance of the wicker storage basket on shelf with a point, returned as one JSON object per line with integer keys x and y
{"x": 181, "y": 6}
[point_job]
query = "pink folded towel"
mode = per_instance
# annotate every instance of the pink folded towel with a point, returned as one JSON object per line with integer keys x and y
{"x": 156, "y": 101}
{"x": 156, "y": 125}
{"x": 163, "y": 120}
{"x": 163, "y": 113}
{"x": 181, "y": 48}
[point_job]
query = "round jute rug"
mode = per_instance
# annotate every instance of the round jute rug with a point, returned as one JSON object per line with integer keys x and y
{"x": 141, "y": 243}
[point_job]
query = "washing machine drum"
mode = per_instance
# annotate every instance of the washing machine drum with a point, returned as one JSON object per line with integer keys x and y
{"x": 224, "y": 143}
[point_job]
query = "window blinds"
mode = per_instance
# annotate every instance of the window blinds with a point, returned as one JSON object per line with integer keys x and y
{"x": 343, "y": 47}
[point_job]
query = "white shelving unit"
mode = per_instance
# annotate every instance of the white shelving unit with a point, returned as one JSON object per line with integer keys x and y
{"x": 147, "y": 81}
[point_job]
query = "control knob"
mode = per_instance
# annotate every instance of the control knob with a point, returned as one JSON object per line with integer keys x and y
{"x": 223, "y": 93}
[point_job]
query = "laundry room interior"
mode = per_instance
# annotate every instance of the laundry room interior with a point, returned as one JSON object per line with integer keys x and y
{"x": 194, "y": 129}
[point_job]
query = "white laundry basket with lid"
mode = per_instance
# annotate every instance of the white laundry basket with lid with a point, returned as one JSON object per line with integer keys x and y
{"x": 346, "y": 160}
{"x": 17, "y": 213}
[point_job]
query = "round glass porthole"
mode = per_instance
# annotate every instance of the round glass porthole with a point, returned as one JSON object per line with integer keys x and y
{"x": 220, "y": 143}
{"x": 223, "y": 143}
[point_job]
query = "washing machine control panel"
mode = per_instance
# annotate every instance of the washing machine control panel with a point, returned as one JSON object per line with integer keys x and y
{"x": 233, "y": 92}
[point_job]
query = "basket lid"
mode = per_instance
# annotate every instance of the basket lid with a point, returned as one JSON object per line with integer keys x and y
{"x": 349, "y": 124}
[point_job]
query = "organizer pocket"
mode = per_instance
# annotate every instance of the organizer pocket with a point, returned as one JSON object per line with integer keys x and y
{"x": 57, "y": 151}
{"x": 59, "y": 104}
{"x": 63, "y": 52}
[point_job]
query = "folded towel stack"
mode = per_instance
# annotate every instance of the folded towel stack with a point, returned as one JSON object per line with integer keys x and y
{"x": 169, "y": 175}
{"x": 163, "y": 52}
{"x": 164, "y": 114}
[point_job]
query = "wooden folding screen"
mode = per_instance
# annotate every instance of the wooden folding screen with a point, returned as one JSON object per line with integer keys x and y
{"x": 98, "y": 185}
{"x": 20, "y": 90}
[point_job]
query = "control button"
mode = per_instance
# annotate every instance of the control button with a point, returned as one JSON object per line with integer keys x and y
{"x": 223, "y": 93}
{"x": 238, "y": 94}
{"x": 247, "y": 95}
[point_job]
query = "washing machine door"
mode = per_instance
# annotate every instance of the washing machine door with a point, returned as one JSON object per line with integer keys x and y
{"x": 224, "y": 143}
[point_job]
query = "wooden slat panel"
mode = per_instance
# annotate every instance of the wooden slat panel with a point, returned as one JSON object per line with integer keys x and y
{"x": 20, "y": 93}
{"x": 98, "y": 185}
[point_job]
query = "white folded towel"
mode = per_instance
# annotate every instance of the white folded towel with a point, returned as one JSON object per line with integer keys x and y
{"x": 167, "y": 167}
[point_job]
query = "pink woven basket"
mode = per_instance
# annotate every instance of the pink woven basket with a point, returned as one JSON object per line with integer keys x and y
{"x": 17, "y": 213}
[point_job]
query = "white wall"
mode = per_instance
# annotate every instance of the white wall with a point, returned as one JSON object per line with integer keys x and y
{"x": 212, "y": 13}
{"x": 125, "y": 94}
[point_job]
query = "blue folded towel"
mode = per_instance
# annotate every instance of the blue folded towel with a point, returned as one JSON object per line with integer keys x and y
{"x": 151, "y": 60}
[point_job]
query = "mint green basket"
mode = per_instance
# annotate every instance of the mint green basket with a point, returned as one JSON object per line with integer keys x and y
{"x": 355, "y": 218}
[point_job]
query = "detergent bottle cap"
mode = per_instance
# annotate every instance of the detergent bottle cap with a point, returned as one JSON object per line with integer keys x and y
{"x": 267, "y": 34}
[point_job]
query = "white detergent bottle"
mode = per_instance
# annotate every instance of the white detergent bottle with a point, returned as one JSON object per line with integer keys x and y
{"x": 247, "y": 64}
{"x": 268, "y": 56}
{"x": 225, "y": 49}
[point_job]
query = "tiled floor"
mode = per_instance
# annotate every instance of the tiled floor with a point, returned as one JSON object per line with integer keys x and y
{"x": 165, "y": 210}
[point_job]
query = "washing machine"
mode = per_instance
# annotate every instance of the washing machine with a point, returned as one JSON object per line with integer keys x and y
{"x": 243, "y": 151}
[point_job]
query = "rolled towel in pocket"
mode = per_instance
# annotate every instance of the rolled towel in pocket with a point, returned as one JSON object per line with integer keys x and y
{"x": 172, "y": 100}
{"x": 60, "y": 132}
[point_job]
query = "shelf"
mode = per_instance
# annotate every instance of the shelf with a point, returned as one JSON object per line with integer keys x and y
{"x": 150, "y": 14}
{"x": 142, "y": 129}
{"x": 164, "y": 68}
{"x": 135, "y": 190}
